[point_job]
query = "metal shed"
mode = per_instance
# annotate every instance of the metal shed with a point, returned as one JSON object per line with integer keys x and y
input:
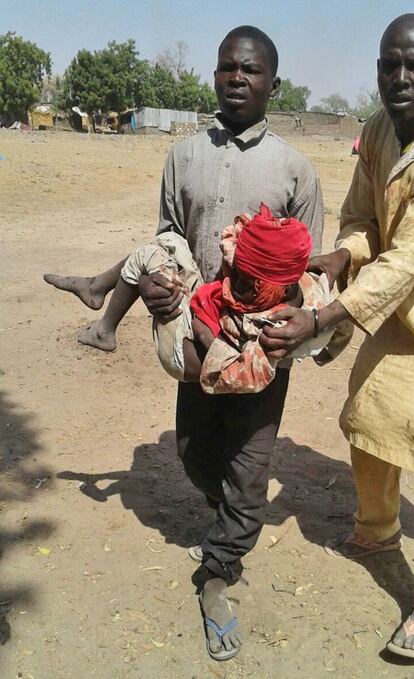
{"x": 161, "y": 118}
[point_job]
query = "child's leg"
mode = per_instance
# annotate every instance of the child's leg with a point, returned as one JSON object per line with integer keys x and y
{"x": 166, "y": 254}
{"x": 174, "y": 341}
{"x": 101, "y": 333}
{"x": 147, "y": 259}
{"x": 91, "y": 291}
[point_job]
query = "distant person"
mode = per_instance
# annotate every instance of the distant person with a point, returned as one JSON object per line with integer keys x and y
{"x": 226, "y": 441}
{"x": 375, "y": 254}
{"x": 355, "y": 146}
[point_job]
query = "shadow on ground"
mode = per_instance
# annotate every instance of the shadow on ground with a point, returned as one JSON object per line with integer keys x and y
{"x": 317, "y": 490}
{"x": 156, "y": 489}
{"x": 19, "y": 474}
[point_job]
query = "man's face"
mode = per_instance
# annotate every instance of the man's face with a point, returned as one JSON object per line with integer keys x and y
{"x": 396, "y": 77}
{"x": 243, "y": 82}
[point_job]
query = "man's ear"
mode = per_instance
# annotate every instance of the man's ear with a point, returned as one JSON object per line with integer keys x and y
{"x": 378, "y": 66}
{"x": 275, "y": 86}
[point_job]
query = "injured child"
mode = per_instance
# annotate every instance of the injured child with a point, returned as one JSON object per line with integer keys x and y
{"x": 215, "y": 338}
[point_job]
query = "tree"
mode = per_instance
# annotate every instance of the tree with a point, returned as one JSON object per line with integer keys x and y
{"x": 193, "y": 96}
{"x": 52, "y": 92}
{"x": 105, "y": 80}
{"x": 367, "y": 103}
{"x": 173, "y": 58}
{"x": 290, "y": 97}
{"x": 332, "y": 104}
{"x": 22, "y": 68}
{"x": 164, "y": 87}
{"x": 189, "y": 94}
{"x": 157, "y": 87}
{"x": 144, "y": 87}
{"x": 207, "y": 99}
{"x": 114, "y": 79}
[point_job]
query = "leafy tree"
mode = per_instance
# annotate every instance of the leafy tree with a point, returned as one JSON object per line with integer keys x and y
{"x": 114, "y": 79}
{"x": 164, "y": 87}
{"x": 189, "y": 93}
{"x": 367, "y": 103}
{"x": 22, "y": 68}
{"x": 144, "y": 87}
{"x": 104, "y": 80}
{"x": 157, "y": 87}
{"x": 332, "y": 104}
{"x": 193, "y": 96}
{"x": 290, "y": 97}
{"x": 207, "y": 99}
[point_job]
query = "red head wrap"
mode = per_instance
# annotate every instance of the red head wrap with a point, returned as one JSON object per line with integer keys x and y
{"x": 273, "y": 250}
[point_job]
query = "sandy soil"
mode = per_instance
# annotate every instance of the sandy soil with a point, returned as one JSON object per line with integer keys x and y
{"x": 96, "y": 512}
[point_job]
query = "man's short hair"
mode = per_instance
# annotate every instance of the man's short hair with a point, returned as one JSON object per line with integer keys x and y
{"x": 258, "y": 36}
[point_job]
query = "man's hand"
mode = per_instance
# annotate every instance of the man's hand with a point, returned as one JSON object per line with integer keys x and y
{"x": 161, "y": 296}
{"x": 333, "y": 264}
{"x": 277, "y": 342}
{"x": 300, "y": 325}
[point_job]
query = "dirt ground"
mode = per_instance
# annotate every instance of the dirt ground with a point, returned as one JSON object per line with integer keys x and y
{"x": 96, "y": 512}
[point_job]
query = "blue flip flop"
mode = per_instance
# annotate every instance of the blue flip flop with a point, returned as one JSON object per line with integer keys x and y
{"x": 220, "y": 631}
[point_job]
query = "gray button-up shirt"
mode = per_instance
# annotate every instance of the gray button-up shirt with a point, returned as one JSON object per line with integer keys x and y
{"x": 214, "y": 176}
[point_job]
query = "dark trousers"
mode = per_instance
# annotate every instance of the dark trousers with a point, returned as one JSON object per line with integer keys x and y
{"x": 225, "y": 443}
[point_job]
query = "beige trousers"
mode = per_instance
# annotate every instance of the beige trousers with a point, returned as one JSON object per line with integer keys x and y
{"x": 378, "y": 488}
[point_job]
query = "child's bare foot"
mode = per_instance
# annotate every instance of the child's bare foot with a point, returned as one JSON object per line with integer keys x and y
{"x": 98, "y": 336}
{"x": 79, "y": 286}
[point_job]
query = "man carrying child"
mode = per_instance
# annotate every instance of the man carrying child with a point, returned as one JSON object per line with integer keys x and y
{"x": 225, "y": 441}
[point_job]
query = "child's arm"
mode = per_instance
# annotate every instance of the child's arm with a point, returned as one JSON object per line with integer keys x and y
{"x": 202, "y": 334}
{"x": 195, "y": 350}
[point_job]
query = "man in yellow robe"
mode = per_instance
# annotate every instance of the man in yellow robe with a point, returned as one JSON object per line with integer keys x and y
{"x": 375, "y": 255}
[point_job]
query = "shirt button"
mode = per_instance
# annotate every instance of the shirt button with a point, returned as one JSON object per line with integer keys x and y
{"x": 221, "y": 199}
{"x": 216, "y": 233}
{"x": 227, "y": 164}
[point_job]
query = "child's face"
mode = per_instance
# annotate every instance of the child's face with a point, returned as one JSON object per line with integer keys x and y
{"x": 242, "y": 287}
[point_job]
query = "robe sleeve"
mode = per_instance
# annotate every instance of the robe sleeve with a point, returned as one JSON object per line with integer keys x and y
{"x": 383, "y": 285}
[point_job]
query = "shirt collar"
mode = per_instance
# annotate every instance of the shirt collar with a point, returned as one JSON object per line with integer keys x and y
{"x": 407, "y": 147}
{"x": 252, "y": 134}
{"x": 405, "y": 160}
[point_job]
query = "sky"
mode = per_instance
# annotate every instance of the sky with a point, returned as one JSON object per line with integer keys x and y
{"x": 331, "y": 46}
